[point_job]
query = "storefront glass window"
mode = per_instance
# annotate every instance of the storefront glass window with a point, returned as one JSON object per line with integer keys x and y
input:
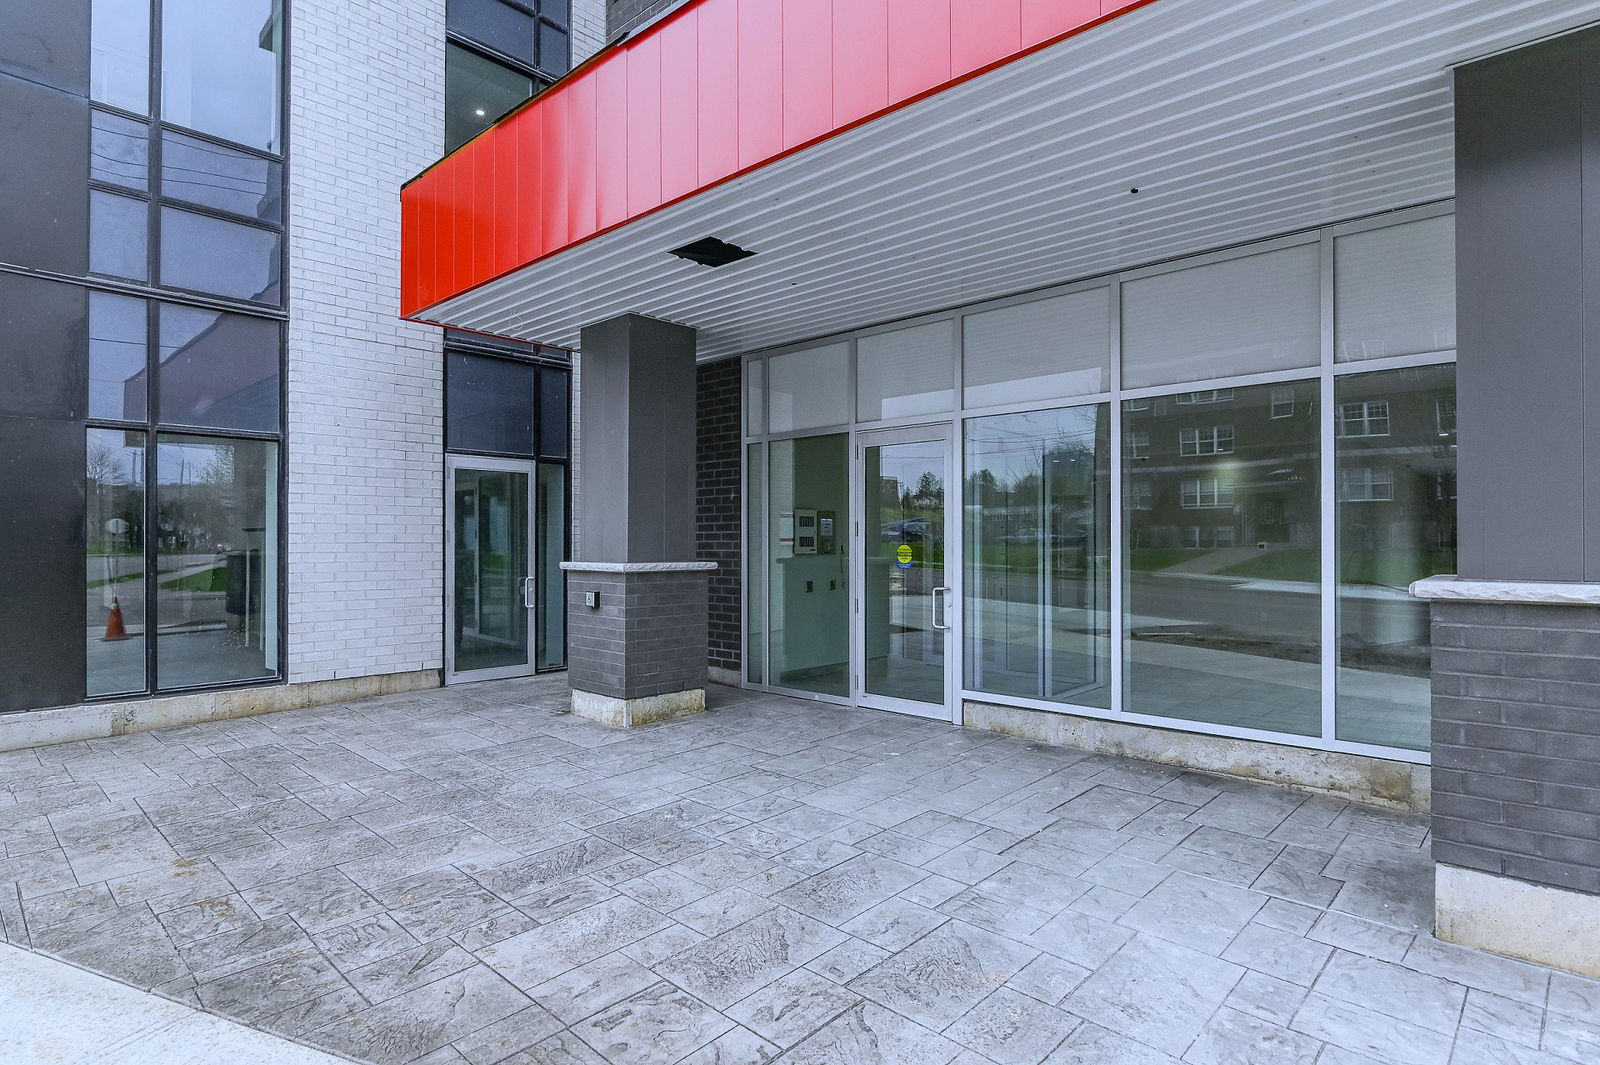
{"x": 1253, "y": 314}
{"x": 216, "y": 584}
{"x": 809, "y": 389}
{"x": 1052, "y": 348}
{"x": 1223, "y": 608}
{"x": 1395, "y": 290}
{"x": 114, "y": 535}
{"x": 1038, "y": 573}
{"x": 906, "y": 373}
{"x": 1397, "y": 524}
{"x": 808, "y": 575}
{"x": 755, "y": 564}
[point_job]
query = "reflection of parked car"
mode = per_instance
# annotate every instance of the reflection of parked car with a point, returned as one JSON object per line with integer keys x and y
{"x": 908, "y": 531}
{"x": 1026, "y": 535}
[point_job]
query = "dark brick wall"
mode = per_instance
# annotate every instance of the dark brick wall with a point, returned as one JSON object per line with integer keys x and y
{"x": 1516, "y": 741}
{"x": 624, "y": 15}
{"x": 717, "y": 502}
{"x": 646, "y": 636}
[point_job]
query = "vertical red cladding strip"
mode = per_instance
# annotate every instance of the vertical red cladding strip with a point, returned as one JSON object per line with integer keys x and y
{"x": 553, "y": 164}
{"x": 611, "y": 143}
{"x": 524, "y": 212}
{"x": 1044, "y": 19}
{"x": 808, "y": 70}
{"x": 460, "y": 170}
{"x": 860, "y": 59}
{"x": 483, "y": 200}
{"x": 919, "y": 46}
{"x": 981, "y": 34}
{"x": 644, "y": 124}
{"x": 717, "y": 75}
{"x": 581, "y": 133}
{"x": 507, "y": 187}
{"x": 680, "y": 110}
{"x": 760, "y": 81}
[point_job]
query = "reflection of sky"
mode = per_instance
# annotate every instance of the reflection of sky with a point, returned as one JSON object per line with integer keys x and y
{"x": 193, "y": 463}
{"x": 216, "y": 76}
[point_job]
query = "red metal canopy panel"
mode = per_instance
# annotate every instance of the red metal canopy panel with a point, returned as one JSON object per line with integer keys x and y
{"x": 717, "y": 89}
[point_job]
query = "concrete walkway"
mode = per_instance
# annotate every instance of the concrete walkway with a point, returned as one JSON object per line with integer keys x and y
{"x": 471, "y": 875}
{"x": 56, "y": 1014}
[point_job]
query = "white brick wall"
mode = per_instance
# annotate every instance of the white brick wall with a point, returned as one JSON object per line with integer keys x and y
{"x": 365, "y": 411}
{"x": 588, "y": 28}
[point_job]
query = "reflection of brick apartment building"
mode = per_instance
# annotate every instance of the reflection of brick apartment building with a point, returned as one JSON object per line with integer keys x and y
{"x": 1237, "y": 468}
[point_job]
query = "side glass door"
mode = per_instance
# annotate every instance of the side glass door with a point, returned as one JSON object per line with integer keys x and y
{"x": 489, "y": 568}
{"x": 907, "y": 603}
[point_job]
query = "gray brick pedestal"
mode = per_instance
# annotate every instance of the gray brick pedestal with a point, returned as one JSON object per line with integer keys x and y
{"x": 636, "y": 640}
{"x": 1516, "y": 767}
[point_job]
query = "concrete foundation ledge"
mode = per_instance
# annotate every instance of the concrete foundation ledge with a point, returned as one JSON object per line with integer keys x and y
{"x": 1377, "y": 781}
{"x": 92, "y": 721}
{"x": 1504, "y": 915}
{"x": 646, "y": 710}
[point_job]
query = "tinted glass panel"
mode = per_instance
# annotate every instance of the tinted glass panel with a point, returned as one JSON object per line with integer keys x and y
{"x": 755, "y": 397}
{"x": 755, "y": 472}
{"x": 1237, "y": 316}
{"x": 556, "y": 10}
{"x": 219, "y": 68}
{"x": 554, "y": 50}
{"x": 809, "y": 389}
{"x": 810, "y": 586}
{"x": 114, "y": 580}
{"x": 218, "y": 370}
{"x": 118, "y": 229}
{"x": 550, "y": 541}
{"x": 119, "y": 151}
{"x": 906, "y": 372}
{"x": 1395, "y": 290}
{"x": 491, "y": 22}
{"x": 212, "y": 255}
{"x": 476, "y": 92}
{"x": 1044, "y": 349}
{"x": 1038, "y": 512}
{"x": 492, "y": 561}
{"x": 1223, "y": 605}
{"x": 216, "y": 560}
{"x": 118, "y": 374}
{"x": 489, "y": 405}
{"x": 1396, "y": 477}
{"x": 119, "y": 54}
{"x": 554, "y": 422}
{"x": 44, "y": 155}
{"x": 229, "y": 180}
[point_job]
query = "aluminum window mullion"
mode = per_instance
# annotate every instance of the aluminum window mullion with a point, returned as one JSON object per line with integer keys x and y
{"x": 1118, "y": 559}
{"x": 1328, "y": 509}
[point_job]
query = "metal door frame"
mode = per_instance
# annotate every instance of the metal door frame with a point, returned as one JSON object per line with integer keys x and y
{"x": 528, "y": 467}
{"x": 942, "y": 432}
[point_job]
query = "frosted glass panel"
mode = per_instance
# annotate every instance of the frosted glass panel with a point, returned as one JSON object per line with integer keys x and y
{"x": 907, "y": 372}
{"x": 1047, "y": 349}
{"x": 810, "y": 388}
{"x": 755, "y": 398}
{"x": 1240, "y": 316}
{"x": 1395, "y": 290}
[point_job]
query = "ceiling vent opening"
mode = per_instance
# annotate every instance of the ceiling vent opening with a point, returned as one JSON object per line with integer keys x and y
{"x": 712, "y": 252}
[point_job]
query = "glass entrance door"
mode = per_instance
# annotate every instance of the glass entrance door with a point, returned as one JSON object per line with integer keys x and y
{"x": 907, "y": 601}
{"x": 490, "y": 572}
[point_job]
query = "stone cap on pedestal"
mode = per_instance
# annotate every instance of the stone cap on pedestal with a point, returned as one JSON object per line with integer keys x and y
{"x": 1550, "y": 593}
{"x": 638, "y": 567}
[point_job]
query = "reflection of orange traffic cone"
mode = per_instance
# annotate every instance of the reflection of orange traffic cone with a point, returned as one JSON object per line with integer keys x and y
{"x": 114, "y": 627}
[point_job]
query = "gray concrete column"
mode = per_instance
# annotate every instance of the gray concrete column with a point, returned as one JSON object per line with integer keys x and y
{"x": 637, "y": 597}
{"x": 1516, "y": 660}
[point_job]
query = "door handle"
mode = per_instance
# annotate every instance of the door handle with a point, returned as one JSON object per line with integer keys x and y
{"x": 527, "y": 592}
{"x": 939, "y": 605}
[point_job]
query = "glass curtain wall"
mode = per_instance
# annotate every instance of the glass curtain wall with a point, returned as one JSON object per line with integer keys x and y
{"x": 184, "y": 422}
{"x": 498, "y": 53}
{"x": 1194, "y": 494}
{"x": 1038, "y": 555}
